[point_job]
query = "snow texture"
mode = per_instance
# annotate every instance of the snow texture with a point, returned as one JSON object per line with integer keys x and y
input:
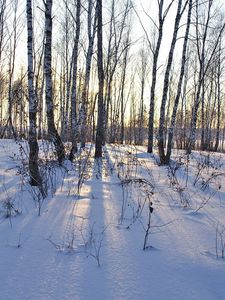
{"x": 87, "y": 243}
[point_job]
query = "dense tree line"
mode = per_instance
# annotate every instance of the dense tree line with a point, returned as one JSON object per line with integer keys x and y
{"x": 90, "y": 76}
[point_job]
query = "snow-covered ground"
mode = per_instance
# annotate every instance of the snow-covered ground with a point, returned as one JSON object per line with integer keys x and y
{"x": 88, "y": 243}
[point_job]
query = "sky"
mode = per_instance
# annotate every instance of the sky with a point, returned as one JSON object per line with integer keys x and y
{"x": 143, "y": 9}
{"x": 149, "y": 7}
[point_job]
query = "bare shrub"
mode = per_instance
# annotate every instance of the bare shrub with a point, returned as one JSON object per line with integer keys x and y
{"x": 9, "y": 208}
{"x": 92, "y": 242}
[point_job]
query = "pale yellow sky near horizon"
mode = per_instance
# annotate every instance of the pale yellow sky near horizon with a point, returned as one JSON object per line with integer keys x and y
{"x": 150, "y": 7}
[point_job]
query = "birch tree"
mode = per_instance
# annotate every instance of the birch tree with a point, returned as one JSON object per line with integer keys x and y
{"x": 39, "y": 89}
{"x": 33, "y": 145}
{"x": 100, "y": 121}
{"x": 219, "y": 68}
{"x": 122, "y": 93}
{"x": 13, "y": 38}
{"x": 66, "y": 72}
{"x": 161, "y": 20}
{"x": 84, "y": 97}
{"x": 74, "y": 129}
{"x": 143, "y": 76}
{"x": 161, "y": 133}
{"x": 205, "y": 54}
{"x": 179, "y": 87}
{"x": 2, "y": 26}
{"x": 118, "y": 42}
{"x": 52, "y": 132}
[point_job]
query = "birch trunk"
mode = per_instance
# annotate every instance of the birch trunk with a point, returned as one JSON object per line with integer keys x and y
{"x": 13, "y": 44}
{"x": 203, "y": 129}
{"x": 2, "y": 26}
{"x": 153, "y": 83}
{"x": 84, "y": 100}
{"x": 218, "y": 75}
{"x": 100, "y": 122}
{"x": 122, "y": 108}
{"x": 52, "y": 132}
{"x": 141, "y": 115}
{"x": 114, "y": 53}
{"x": 33, "y": 145}
{"x": 203, "y": 66}
{"x": 180, "y": 82}
{"x": 74, "y": 129}
{"x": 166, "y": 85}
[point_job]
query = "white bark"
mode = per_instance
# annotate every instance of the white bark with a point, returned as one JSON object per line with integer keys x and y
{"x": 52, "y": 132}
{"x": 33, "y": 145}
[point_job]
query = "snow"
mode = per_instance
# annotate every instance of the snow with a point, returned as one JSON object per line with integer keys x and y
{"x": 55, "y": 255}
